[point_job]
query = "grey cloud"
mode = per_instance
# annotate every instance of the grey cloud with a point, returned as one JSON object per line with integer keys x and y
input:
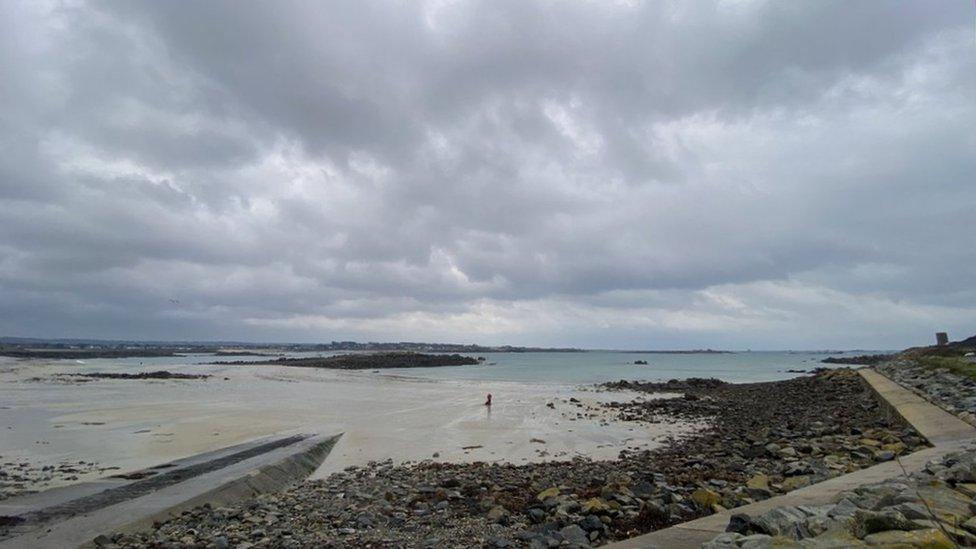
{"x": 665, "y": 174}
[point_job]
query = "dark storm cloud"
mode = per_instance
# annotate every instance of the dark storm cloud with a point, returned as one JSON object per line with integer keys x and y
{"x": 737, "y": 173}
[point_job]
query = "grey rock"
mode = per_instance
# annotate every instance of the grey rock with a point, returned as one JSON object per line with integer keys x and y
{"x": 844, "y": 508}
{"x": 728, "y": 540}
{"x": 739, "y": 523}
{"x": 592, "y": 523}
{"x": 756, "y": 541}
{"x": 910, "y": 510}
{"x": 536, "y": 515}
{"x": 865, "y": 523}
{"x": 783, "y": 521}
{"x": 498, "y": 514}
{"x": 574, "y": 534}
{"x": 643, "y": 489}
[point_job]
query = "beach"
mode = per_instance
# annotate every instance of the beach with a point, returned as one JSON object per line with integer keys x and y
{"x": 122, "y": 425}
{"x": 581, "y": 442}
{"x": 761, "y": 439}
{"x": 422, "y": 462}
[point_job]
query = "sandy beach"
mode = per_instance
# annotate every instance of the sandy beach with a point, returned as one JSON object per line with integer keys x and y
{"x": 132, "y": 424}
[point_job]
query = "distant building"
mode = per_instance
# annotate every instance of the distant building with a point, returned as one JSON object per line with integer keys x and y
{"x": 941, "y": 338}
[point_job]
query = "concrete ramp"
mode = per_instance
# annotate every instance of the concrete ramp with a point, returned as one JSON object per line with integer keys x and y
{"x": 74, "y": 515}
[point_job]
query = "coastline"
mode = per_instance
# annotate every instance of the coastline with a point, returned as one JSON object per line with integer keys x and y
{"x": 761, "y": 439}
{"x": 626, "y": 457}
{"x": 120, "y": 425}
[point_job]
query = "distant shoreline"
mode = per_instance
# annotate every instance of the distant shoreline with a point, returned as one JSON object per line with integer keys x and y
{"x": 98, "y": 352}
{"x": 80, "y": 348}
{"x": 54, "y": 348}
{"x": 86, "y": 353}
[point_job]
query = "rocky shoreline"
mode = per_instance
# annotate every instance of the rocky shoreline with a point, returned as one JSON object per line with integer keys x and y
{"x": 78, "y": 354}
{"x": 952, "y": 392}
{"x": 20, "y": 477}
{"x": 859, "y": 360}
{"x": 762, "y": 439}
{"x": 158, "y": 374}
{"x": 367, "y": 361}
{"x": 932, "y": 508}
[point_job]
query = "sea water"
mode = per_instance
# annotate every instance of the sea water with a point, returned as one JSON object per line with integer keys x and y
{"x": 47, "y": 417}
{"x": 601, "y": 366}
{"x": 543, "y": 367}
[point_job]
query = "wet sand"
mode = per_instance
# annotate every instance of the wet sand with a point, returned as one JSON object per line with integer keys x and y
{"x": 132, "y": 424}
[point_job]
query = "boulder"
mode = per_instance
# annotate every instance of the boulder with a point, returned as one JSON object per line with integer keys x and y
{"x": 498, "y": 514}
{"x": 967, "y": 489}
{"x": 884, "y": 455}
{"x": 947, "y": 504}
{"x": 536, "y": 515}
{"x": 782, "y": 521}
{"x": 833, "y": 539}
{"x": 643, "y": 489}
{"x": 897, "y": 448}
{"x": 728, "y": 540}
{"x": 959, "y": 535}
{"x": 793, "y": 483}
{"x": 739, "y": 523}
{"x": 911, "y": 511}
{"x": 705, "y": 498}
{"x": 592, "y": 523}
{"x": 595, "y": 506}
{"x": 758, "y": 541}
{"x": 844, "y": 508}
{"x": 865, "y": 523}
{"x": 758, "y": 481}
{"x": 787, "y": 452}
{"x": 574, "y": 534}
{"x": 929, "y": 539}
{"x": 962, "y": 472}
{"x": 547, "y": 493}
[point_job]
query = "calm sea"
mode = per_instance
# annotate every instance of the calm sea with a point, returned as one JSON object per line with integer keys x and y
{"x": 585, "y": 367}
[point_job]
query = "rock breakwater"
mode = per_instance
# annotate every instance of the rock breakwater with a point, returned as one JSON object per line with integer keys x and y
{"x": 369, "y": 361}
{"x": 950, "y": 391}
{"x": 933, "y": 508}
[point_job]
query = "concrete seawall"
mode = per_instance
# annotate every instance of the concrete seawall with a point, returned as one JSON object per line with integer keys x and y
{"x": 268, "y": 478}
{"x": 73, "y": 516}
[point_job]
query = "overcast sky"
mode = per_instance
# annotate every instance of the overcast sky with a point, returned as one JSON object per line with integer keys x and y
{"x": 737, "y": 174}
